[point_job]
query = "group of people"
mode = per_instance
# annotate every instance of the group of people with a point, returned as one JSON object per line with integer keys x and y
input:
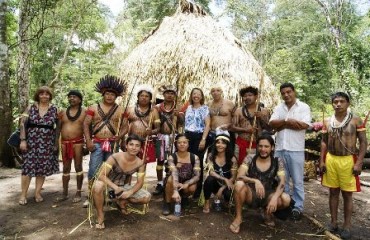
{"x": 233, "y": 146}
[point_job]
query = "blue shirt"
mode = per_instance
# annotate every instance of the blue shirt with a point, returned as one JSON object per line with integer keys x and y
{"x": 195, "y": 118}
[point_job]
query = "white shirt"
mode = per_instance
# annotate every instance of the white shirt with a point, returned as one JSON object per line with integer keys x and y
{"x": 289, "y": 139}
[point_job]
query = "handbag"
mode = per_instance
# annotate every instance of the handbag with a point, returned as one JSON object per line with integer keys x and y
{"x": 15, "y": 139}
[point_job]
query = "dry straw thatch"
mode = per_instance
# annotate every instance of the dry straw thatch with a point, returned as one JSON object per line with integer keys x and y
{"x": 190, "y": 49}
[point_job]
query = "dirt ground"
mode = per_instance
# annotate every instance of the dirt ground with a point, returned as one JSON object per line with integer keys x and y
{"x": 49, "y": 221}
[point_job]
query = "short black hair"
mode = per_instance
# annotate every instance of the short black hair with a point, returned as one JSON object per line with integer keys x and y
{"x": 248, "y": 89}
{"x": 135, "y": 137}
{"x": 287, "y": 85}
{"x": 339, "y": 94}
{"x": 150, "y": 94}
{"x": 266, "y": 137}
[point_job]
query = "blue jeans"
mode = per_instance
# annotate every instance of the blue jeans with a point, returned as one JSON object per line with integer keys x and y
{"x": 96, "y": 159}
{"x": 294, "y": 168}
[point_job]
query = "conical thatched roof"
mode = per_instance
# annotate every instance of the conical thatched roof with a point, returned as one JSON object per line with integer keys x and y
{"x": 190, "y": 49}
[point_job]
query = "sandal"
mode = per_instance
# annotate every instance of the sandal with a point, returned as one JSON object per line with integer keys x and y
{"x": 76, "y": 199}
{"x": 270, "y": 222}
{"x": 23, "y": 201}
{"x": 206, "y": 210}
{"x": 123, "y": 210}
{"x": 60, "y": 199}
{"x": 39, "y": 199}
{"x": 100, "y": 226}
{"x": 234, "y": 228}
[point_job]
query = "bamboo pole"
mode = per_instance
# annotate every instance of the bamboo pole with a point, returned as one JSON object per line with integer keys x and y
{"x": 257, "y": 106}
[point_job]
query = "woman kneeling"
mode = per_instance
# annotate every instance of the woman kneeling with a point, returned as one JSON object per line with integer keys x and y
{"x": 222, "y": 172}
{"x": 185, "y": 171}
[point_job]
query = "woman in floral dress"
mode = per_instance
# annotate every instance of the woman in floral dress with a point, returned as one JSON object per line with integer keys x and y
{"x": 39, "y": 143}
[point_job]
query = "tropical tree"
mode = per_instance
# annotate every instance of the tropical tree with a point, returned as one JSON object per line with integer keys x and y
{"x": 5, "y": 100}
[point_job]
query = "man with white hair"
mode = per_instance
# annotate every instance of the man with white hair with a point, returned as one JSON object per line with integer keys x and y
{"x": 221, "y": 111}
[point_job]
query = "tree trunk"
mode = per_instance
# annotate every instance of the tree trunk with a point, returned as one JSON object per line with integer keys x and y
{"x": 5, "y": 100}
{"x": 23, "y": 56}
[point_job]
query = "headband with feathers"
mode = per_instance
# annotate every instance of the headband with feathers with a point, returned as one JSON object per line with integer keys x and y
{"x": 111, "y": 84}
{"x": 167, "y": 88}
{"x": 146, "y": 88}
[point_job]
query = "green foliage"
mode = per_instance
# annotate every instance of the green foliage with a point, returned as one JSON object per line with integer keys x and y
{"x": 294, "y": 42}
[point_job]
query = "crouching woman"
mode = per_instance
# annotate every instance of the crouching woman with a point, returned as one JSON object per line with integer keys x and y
{"x": 114, "y": 174}
{"x": 260, "y": 183}
{"x": 185, "y": 171}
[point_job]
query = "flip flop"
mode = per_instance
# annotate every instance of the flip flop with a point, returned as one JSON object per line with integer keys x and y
{"x": 23, "y": 202}
{"x": 76, "y": 199}
{"x": 38, "y": 200}
{"x": 206, "y": 210}
{"x": 60, "y": 199}
{"x": 234, "y": 228}
{"x": 270, "y": 222}
{"x": 100, "y": 226}
{"x": 123, "y": 210}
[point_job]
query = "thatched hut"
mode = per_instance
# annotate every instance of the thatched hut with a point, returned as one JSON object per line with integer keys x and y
{"x": 190, "y": 49}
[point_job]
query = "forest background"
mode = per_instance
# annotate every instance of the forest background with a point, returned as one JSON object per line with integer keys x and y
{"x": 321, "y": 46}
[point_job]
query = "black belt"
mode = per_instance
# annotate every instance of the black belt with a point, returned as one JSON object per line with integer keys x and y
{"x": 32, "y": 125}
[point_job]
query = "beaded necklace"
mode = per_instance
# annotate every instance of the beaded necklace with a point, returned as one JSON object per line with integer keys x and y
{"x": 75, "y": 117}
{"x": 141, "y": 114}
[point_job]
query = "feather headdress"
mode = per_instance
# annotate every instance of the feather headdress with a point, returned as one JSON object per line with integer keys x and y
{"x": 144, "y": 87}
{"x": 111, "y": 84}
{"x": 167, "y": 88}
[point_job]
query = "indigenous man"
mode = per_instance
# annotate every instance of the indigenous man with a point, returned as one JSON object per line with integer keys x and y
{"x": 340, "y": 161}
{"x": 291, "y": 119}
{"x": 221, "y": 111}
{"x": 243, "y": 122}
{"x": 105, "y": 118}
{"x": 71, "y": 125}
{"x": 113, "y": 174}
{"x": 168, "y": 128}
{"x": 260, "y": 183}
{"x": 143, "y": 121}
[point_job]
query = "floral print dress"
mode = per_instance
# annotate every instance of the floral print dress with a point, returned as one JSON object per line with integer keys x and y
{"x": 40, "y": 159}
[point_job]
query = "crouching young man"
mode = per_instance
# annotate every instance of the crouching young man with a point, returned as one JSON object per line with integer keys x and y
{"x": 260, "y": 183}
{"x": 113, "y": 175}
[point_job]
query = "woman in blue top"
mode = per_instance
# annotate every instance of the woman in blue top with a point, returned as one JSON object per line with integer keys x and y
{"x": 197, "y": 126}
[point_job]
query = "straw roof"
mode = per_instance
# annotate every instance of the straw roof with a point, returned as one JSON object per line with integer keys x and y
{"x": 190, "y": 49}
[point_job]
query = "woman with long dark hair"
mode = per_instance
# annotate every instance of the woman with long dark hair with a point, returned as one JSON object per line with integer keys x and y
{"x": 197, "y": 126}
{"x": 222, "y": 171}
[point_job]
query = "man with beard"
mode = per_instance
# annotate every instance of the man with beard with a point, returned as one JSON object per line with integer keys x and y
{"x": 243, "y": 122}
{"x": 221, "y": 111}
{"x": 340, "y": 160}
{"x": 71, "y": 125}
{"x": 168, "y": 128}
{"x": 102, "y": 122}
{"x": 260, "y": 183}
{"x": 143, "y": 121}
{"x": 114, "y": 173}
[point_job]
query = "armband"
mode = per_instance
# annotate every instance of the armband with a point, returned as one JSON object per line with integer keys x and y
{"x": 197, "y": 168}
{"x": 281, "y": 173}
{"x": 107, "y": 165}
{"x": 157, "y": 121}
{"x": 140, "y": 174}
{"x": 90, "y": 113}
